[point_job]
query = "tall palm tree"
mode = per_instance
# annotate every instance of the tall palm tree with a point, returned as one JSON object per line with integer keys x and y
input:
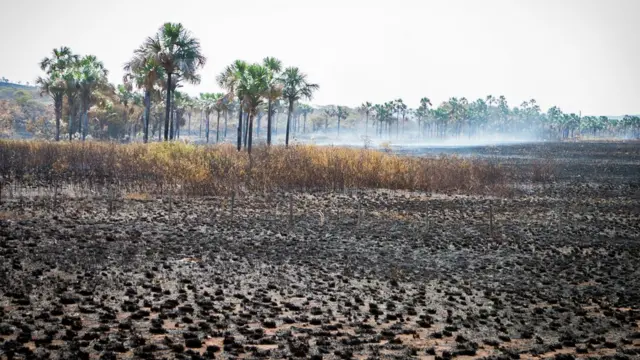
{"x": 423, "y": 110}
{"x": 175, "y": 49}
{"x": 219, "y": 107}
{"x": 274, "y": 92}
{"x": 254, "y": 86}
{"x": 145, "y": 73}
{"x": 229, "y": 79}
{"x": 54, "y": 84}
{"x": 209, "y": 103}
{"x": 295, "y": 87}
{"x": 92, "y": 76}
{"x": 71, "y": 91}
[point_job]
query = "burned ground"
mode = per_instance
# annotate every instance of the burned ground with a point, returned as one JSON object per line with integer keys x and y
{"x": 548, "y": 270}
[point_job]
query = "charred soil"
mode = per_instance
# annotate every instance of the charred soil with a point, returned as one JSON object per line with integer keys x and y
{"x": 549, "y": 271}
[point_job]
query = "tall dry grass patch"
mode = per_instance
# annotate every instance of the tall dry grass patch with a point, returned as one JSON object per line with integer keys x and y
{"x": 211, "y": 170}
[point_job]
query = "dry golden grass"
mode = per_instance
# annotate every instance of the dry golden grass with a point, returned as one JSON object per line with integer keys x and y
{"x": 137, "y": 196}
{"x": 209, "y": 170}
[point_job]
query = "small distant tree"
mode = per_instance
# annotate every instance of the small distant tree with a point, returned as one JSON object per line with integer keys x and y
{"x": 366, "y": 108}
{"x": 342, "y": 113}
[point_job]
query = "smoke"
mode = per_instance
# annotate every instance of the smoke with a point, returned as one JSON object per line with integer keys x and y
{"x": 409, "y": 139}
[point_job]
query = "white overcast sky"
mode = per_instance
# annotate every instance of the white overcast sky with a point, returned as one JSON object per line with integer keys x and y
{"x": 582, "y": 55}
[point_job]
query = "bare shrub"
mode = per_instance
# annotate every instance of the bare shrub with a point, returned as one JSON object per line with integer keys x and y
{"x": 543, "y": 170}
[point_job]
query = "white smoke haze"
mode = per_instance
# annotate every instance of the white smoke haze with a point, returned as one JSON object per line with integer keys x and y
{"x": 407, "y": 140}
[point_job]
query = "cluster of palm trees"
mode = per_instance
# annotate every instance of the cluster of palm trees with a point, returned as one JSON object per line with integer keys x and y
{"x": 173, "y": 56}
{"x": 79, "y": 80}
{"x": 149, "y": 100}
{"x": 257, "y": 87}
{"x": 459, "y": 117}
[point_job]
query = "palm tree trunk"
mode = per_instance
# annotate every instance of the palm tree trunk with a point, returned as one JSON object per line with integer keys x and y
{"x": 207, "y": 128}
{"x": 240, "y": 128}
{"x": 226, "y": 117}
{"x": 218, "y": 129}
{"x": 58, "y": 109}
{"x": 86, "y": 119}
{"x": 124, "y": 121}
{"x": 246, "y": 129}
{"x": 304, "y": 124}
{"x": 269, "y": 123}
{"x": 70, "y": 129}
{"x": 286, "y": 141}
{"x": 167, "y": 109}
{"x": 80, "y": 119}
{"x": 339, "y": 126}
{"x": 250, "y": 125}
{"x": 178, "y": 116}
{"x": 171, "y": 120}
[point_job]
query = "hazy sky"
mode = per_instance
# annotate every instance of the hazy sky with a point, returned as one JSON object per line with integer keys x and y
{"x": 582, "y": 55}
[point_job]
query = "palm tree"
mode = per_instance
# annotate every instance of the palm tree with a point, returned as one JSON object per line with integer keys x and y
{"x": 328, "y": 112}
{"x": 366, "y": 108}
{"x": 125, "y": 96}
{"x": 274, "y": 92}
{"x": 71, "y": 91}
{"x": 175, "y": 49}
{"x": 342, "y": 113}
{"x": 145, "y": 73}
{"x": 229, "y": 79}
{"x": 423, "y": 110}
{"x": 91, "y": 76}
{"x": 54, "y": 84}
{"x": 189, "y": 106}
{"x": 219, "y": 107}
{"x": 397, "y": 106}
{"x": 295, "y": 87}
{"x": 255, "y": 87}
{"x": 227, "y": 107}
{"x": 209, "y": 103}
{"x": 305, "y": 110}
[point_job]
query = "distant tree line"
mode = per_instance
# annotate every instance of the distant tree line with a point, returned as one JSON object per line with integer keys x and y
{"x": 458, "y": 117}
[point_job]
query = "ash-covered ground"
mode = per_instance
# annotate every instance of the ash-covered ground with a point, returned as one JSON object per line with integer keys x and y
{"x": 549, "y": 271}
